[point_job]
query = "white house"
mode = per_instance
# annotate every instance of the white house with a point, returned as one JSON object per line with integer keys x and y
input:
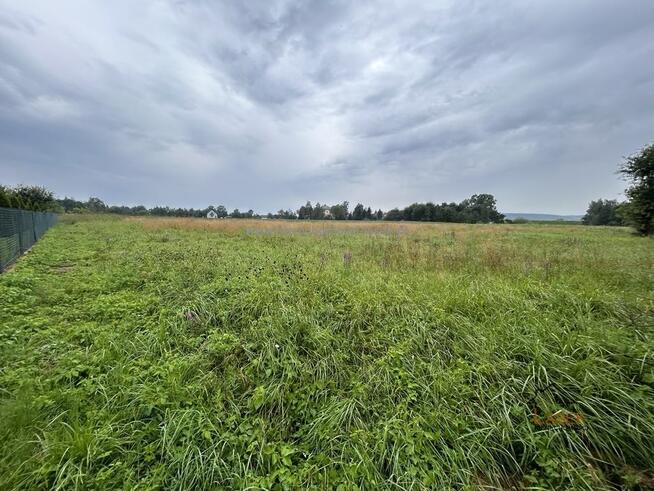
{"x": 212, "y": 214}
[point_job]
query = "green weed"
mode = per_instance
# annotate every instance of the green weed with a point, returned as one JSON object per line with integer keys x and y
{"x": 146, "y": 354}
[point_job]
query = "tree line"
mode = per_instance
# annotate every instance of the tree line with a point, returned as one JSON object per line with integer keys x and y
{"x": 339, "y": 211}
{"x": 638, "y": 210}
{"x": 480, "y": 208}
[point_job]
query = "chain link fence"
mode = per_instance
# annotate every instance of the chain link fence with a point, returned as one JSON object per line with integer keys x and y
{"x": 19, "y": 230}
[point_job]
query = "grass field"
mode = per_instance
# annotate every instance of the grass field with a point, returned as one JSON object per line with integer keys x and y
{"x": 188, "y": 354}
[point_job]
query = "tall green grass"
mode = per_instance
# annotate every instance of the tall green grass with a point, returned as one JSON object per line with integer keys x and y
{"x": 142, "y": 355}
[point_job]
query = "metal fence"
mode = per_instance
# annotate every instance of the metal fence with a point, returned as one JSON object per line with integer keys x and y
{"x": 19, "y": 230}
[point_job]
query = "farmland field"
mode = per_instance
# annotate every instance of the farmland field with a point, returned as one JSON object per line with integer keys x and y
{"x": 188, "y": 354}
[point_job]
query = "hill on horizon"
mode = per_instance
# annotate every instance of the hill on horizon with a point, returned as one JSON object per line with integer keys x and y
{"x": 544, "y": 217}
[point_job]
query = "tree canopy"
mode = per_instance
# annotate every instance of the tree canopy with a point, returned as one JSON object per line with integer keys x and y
{"x": 603, "y": 212}
{"x": 35, "y": 198}
{"x": 638, "y": 169}
{"x": 479, "y": 208}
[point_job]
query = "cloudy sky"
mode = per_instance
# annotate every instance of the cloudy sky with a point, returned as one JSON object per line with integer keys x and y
{"x": 266, "y": 104}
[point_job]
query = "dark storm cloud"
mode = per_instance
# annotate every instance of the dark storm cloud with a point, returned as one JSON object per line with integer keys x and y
{"x": 267, "y": 104}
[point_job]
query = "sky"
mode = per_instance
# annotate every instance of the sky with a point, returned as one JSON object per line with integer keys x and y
{"x": 268, "y": 104}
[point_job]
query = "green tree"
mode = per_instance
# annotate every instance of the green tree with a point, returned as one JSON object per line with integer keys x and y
{"x": 305, "y": 212}
{"x": 33, "y": 198}
{"x": 359, "y": 212}
{"x": 318, "y": 212}
{"x": 6, "y": 196}
{"x": 96, "y": 205}
{"x": 286, "y": 214}
{"x": 602, "y": 212}
{"x": 481, "y": 208}
{"x": 639, "y": 170}
{"x": 70, "y": 204}
{"x": 159, "y": 211}
{"x": 393, "y": 215}
{"x": 340, "y": 211}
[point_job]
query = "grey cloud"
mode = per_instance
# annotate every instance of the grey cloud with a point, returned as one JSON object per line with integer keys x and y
{"x": 267, "y": 105}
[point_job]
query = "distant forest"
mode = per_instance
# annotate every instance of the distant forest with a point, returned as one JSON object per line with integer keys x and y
{"x": 480, "y": 208}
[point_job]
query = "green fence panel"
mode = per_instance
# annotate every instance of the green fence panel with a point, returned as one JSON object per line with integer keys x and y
{"x": 9, "y": 237}
{"x": 19, "y": 230}
{"x": 26, "y": 230}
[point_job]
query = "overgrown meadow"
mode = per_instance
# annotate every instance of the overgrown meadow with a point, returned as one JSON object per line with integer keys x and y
{"x": 188, "y": 354}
